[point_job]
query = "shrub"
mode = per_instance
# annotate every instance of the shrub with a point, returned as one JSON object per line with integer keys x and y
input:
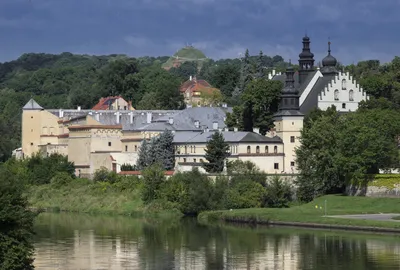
{"x": 245, "y": 194}
{"x": 61, "y": 179}
{"x": 104, "y": 175}
{"x": 279, "y": 193}
{"x": 128, "y": 183}
{"x": 128, "y": 167}
{"x": 153, "y": 177}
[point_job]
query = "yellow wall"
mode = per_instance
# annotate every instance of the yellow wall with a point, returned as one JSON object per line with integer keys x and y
{"x": 287, "y": 128}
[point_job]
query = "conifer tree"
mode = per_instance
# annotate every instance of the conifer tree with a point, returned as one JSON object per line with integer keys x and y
{"x": 260, "y": 65}
{"x": 143, "y": 159}
{"x": 217, "y": 151}
{"x": 245, "y": 74}
{"x": 166, "y": 150}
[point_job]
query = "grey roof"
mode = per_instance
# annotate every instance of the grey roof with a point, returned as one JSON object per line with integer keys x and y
{"x": 301, "y": 87}
{"x": 32, "y": 105}
{"x": 229, "y": 136}
{"x": 311, "y": 101}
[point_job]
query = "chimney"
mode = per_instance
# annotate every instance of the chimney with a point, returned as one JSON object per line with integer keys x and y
{"x": 131, "y": 117}
{"x": 256, "y": 130}
{"x": 61, "y": 113}
{"x": 79, "y": 108}
{"x": 235, "y": 129}
{"x": 273, "y": 72}
{"x": 226, "y": 129}
{"x": 97, "y": 117}
{"x": 149, "y": 117}
{"x": 118, "y": 114}
{"x": 197, "y": 123}
{"x": 171, "y": 121}
{"x": 224, "y": 105}
{"x": 215, "y": 125}
{"x": 190, "y": 78}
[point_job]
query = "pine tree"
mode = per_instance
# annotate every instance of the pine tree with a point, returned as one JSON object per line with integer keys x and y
{"x": 143, "y": 158}
{"x": 245, "y": 73}
{"x": 217, "y": 151}
{"x": 260, "y": 65}
{"x": 153, "y": 151}
{"x": 166, "y": 150}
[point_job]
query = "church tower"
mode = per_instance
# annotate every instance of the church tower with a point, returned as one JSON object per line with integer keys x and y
{"x": 329, "y": 63}
{"x": 289, "y": 122}
{"x": 306, "y": 60}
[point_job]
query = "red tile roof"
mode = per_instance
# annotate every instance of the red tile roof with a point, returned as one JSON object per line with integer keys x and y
{"x": 104, "y": 103}
{"x": 194, "y": 83}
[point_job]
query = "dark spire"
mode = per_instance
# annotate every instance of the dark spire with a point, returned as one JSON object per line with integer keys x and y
{"x": 290, "y": 95}
{"x": 306, "y": 60}
{"x": 329, "y": 62}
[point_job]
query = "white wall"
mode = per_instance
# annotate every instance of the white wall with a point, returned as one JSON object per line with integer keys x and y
{"x": 327, "y": 97}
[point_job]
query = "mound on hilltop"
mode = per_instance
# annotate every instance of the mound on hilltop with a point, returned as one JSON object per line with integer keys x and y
{"x": 186, "y": 54}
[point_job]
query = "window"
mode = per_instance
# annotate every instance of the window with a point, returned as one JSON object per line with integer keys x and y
{"x": 351, "y": 95}
{"x": 31, "y": 117}
{"x": 194, "y": 149}
{"x": 31, "y": 143}
{"x": 292, "y": 123}
{"x": 126, "y": 148}
{"x": 184, "y": 160}
{"x": 125, "y": 108}
{"x": 276, "y": 166}
{"x": 336, "y": 94}
{"x": 343, "y": 84}
{"x": 191, "y": 149}
{"x": 31, "y": 130}
{"x": 275, "y": 149}
{"x": 201, "y": 160}
{"x": 258, "y": 149}
{"x": 109, "y": 143}
{"x": 266, "y": 149}
{"x": 292, "y": 139}
{"x": 185, "y": 149}
{"x": 194, "y": 160}
{"x": 292, "y": 163}
{"x": 135, "y": 148}
{"x": 248, "y": 150}
{"x": 343, "y": 105}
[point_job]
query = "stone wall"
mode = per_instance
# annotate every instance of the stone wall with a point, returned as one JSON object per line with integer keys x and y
{"x": 382, "y": 185}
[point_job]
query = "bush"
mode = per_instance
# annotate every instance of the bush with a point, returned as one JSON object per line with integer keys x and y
{"x": 245, "y": 194}
{"x": 128, "y": 183}
{"x": 128, "y": 167}
{"x": 104, "y": 175}
{"x": 153, "y": 177}
{"x": 279, "y": 193}
{"x": 61, "y": 179}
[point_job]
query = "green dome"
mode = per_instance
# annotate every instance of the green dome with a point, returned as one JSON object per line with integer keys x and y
{"x": 186, "y": 54}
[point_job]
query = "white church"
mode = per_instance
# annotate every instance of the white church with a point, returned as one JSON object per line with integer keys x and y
{"x": 323, "y": 87}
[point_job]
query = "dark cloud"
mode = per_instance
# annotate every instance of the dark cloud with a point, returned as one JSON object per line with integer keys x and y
{"x": 359, "y": 29}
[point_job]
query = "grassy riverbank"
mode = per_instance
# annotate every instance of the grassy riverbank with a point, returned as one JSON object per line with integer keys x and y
{"x": 85, "y": 196}
{"x": 313, "y": 213}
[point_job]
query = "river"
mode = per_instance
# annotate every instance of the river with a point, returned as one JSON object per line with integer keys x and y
{"x": 79, "y": 241}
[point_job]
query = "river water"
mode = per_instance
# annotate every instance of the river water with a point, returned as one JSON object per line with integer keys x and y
{"x": 78, "y": 241}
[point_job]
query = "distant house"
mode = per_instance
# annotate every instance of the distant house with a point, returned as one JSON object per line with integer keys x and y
{"x": 199, "y": 93}
{"x": 113, "y": 103}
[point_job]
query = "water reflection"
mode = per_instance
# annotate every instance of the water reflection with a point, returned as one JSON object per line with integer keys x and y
{"x": 76, "y": 241}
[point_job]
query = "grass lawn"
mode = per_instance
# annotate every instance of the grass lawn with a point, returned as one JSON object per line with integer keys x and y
{"x": 314, "y": 212}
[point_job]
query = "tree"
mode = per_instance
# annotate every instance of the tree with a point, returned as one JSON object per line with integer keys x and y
{"x": 166, "y": 150}
{"x": 245, "y": 73}
{"x": 260, "y": 66}
{"x": 217, "y": 150}
{"x": 143, "y": 158}
{"x": 317, "y": 158}
{"x": 260, "y": 102}
{"x": 153, "y": 177}
{"x": 16, "y": 224}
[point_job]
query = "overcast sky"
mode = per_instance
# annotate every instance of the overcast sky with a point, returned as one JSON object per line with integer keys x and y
{"x": 358, "y": 29}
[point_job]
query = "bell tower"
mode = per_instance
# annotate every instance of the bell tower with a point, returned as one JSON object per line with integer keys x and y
{"x": 306, "y": 60}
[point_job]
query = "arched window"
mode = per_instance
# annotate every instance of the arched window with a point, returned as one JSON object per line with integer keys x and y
{"x": 185, "y": 149}
{"x": 135, "y": 148}
{"x": 343, "y": 84}
{"x": 191, "y": 149}
{"x": 248, "y": 149}
{"x": 266, "y": 149}
{"x": 336, "y": 93}
{"x": 194, "y": 149}
{"x": 351, "y": 95}
{"x": 258, "y": 149}
{"x": 275, "y": 149}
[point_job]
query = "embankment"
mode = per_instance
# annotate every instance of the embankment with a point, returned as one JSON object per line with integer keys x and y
{"x": 313, "y": 214}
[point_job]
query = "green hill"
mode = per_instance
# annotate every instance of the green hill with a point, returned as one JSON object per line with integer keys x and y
{"x": 188, "y": 53}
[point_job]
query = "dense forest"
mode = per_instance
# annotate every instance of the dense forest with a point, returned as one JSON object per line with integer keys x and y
{"x": 67, "y": 80}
